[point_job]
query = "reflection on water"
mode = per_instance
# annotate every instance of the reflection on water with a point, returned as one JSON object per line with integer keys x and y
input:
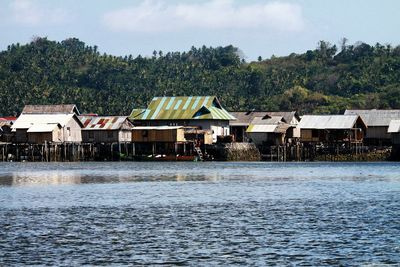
{"x": 64, "y": 174}
{"x": 24, "y": 174}
{"x": 65, "y": 178}
{"x": 206, "y": 214}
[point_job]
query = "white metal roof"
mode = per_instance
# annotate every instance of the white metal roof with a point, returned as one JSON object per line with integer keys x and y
{"x": 328, "y": 121}
{"x": 270, "y": 120}
{"x": 262, "y": 128}
{"x": 376, "y": 117}
{"x": 394, "y": 126}
{"x": 42, "y": 128}
{"x": 25, "y": 121}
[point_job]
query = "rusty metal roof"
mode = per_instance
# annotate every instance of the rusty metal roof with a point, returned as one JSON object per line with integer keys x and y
{"x": 182, "y": 108}
{"x": 104, "y": 122}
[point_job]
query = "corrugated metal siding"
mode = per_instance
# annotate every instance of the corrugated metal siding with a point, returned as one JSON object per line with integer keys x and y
{"x": 182, "y": 108}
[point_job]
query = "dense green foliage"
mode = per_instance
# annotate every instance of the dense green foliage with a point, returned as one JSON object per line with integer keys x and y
{"x": 323, "y": 80}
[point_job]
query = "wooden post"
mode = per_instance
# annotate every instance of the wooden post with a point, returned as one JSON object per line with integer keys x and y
{"x": 119, "y": 151}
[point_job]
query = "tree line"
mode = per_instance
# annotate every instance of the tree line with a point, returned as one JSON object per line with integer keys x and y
{"x": 324, "y": 80}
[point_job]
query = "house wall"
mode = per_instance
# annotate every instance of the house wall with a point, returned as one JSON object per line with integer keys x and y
{"x": 219, "y": 127}
{"x": 40, "y": 138}
{"x": 6, "y": 135}
{"x": 72, "y": 132}
{"x": 306, "y": 135}
{"x": 100, "y": 136}
{"x": 396, "y": 138}
{"x": 21, "y": 136}
{"x": 296, "y": 132}
{"x": 240, "y": 133}
{"x": 377, "y": 132}
{"x": 169, "y": 135}
{"x": 125, "y": 135}
{"x": 271, "y": 138}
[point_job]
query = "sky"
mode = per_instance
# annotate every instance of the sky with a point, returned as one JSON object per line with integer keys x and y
{"x": 257, "y": 27}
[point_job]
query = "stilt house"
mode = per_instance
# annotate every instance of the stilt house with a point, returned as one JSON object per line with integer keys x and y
{"x": 6, "y": 135}
{"x": 106, "y": 129}
{"x": 48, "y": 123}
{"x": 243, "y": 120}
{"x": 204, "y": 112}
{"x": 268, "y": 130}
{"x": 332, "y": 128}
{"x": 378, "y": 121}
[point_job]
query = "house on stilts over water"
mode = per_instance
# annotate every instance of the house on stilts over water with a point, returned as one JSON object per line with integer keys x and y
{"x": 38, "y": 124}
{"x": 200, "y": 112}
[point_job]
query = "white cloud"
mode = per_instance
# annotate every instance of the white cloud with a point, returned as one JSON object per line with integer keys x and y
{"x": 27, "y": 12}
{"x": 158, "y": 16}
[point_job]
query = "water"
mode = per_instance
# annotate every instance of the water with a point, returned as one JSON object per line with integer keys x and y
{"x": 201, "y": 214}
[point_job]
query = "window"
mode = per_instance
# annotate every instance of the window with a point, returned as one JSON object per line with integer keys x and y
{"x": 145, "y": 133}
{"x": 69, "y": 131}
{"x": 314, "y": 133}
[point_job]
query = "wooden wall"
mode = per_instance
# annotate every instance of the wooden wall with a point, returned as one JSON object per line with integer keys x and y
{"x": 106, "y": 136}
{"x": 306, "y": 135}
{"x": 72, "y": 132}
{"x": 380, "y": 132}
{"x": 40, "y": 138}
{"x": 152, "y": 135}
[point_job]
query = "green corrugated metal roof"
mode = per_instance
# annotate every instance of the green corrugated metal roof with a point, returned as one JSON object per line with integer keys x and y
{"x": 182, "y": 108}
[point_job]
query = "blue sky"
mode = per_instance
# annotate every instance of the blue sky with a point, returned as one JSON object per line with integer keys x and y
{"x": 257, "y": 27}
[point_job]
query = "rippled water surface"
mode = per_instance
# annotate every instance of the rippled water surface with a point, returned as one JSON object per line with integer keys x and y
{"x": 199, "y": 214}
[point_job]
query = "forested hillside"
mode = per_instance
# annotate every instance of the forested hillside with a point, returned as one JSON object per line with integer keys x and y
{"x": 324, "y": 80}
